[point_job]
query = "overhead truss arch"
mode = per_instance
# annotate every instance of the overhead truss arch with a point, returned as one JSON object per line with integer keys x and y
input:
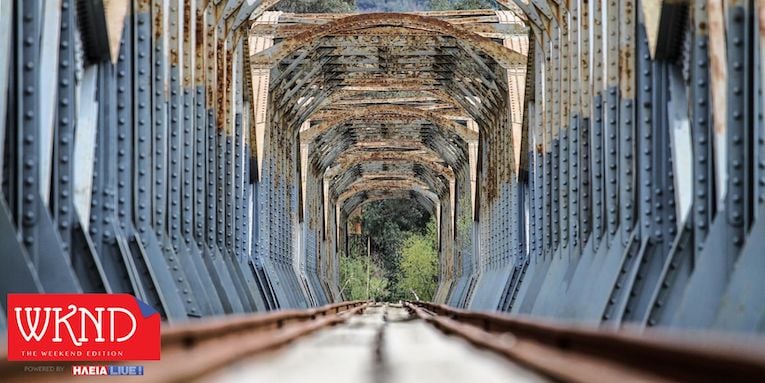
{"x": 426, "y": 158}
{"x": 380, "y": 112}
{"x": 271, "y": 56}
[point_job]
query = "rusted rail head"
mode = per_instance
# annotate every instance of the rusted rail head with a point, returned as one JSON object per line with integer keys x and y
{"x": 578, "y": 354}
{"x": 195, "y": 332}
{"x": 193, "y": 350}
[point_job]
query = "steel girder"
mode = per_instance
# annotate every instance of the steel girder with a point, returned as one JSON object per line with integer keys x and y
{"x": 664, "y": 219}
{"x": 136, "y": 153}
{"x": 359, "y": 95}
{"x": 594, "y": 161}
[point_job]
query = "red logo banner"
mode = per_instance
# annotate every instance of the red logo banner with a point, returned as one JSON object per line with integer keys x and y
{"x": 81, "y": 327}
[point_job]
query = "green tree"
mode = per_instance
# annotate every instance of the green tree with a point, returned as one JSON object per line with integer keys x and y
{"x": 392, "y": 5}
{"x": 353, "y": 279}
{"x": 447, "y": 5}
{"x": 388, "y": 223}
{"x": 391, "y": 226}
{"x": 419, "y": 265}
{"x": 317, "y": 6}
{"x": 329, "y": 6}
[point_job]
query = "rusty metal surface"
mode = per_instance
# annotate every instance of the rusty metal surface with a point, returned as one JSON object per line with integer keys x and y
{"x": 577, "y": 354}
{"x": 366, "y": 21}
{"x": 193, "y": 350}
{"x": 569, "y": 169}
{"x": 389, "y": 113}
{"x": 393, "y": 106}
{"x": 388, "y": 345}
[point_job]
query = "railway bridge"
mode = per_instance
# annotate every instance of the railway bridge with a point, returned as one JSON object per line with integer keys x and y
{"x": 599, "y": 162}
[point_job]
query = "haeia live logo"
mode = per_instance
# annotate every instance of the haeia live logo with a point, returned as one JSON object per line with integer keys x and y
{"x": 106, "y": 370}
{"x": 80, "y": 327}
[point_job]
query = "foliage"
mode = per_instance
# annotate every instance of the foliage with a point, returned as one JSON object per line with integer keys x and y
{"x": 316, "y": 6}
{"x": 445, "y": 5}
{"x": 406, "y": 214}
{"x": 388, "y": 223}
{"x": 419, "y": 265}
{"x": 353, "y": 279}
{"x": 392, "y": 5}
{"x": 329, "y": 6}
{"x": 404, "y": 256}
{"x": 422, "y": 5}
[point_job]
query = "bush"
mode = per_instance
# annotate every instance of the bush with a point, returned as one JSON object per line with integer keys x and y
{"x": 419, "y": 265}
{"x": 353, "y": 279}
{"x": 317, "y": 6}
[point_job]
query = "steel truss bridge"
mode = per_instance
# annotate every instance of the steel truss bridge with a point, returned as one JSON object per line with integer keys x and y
{"x": 598, "y": 161}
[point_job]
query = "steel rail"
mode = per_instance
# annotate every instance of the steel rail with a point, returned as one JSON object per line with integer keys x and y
{"x": 194, "y": 349}
{"x": 576, "y": 354}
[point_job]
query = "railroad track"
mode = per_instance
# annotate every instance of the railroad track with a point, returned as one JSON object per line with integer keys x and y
{"x": 586, "y": 355}
{"x": 388, "y": 343}
{"x": 195, "y": 349}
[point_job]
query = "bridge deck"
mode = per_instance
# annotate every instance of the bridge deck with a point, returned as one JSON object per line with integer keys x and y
{"x": 384, "y": 344}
